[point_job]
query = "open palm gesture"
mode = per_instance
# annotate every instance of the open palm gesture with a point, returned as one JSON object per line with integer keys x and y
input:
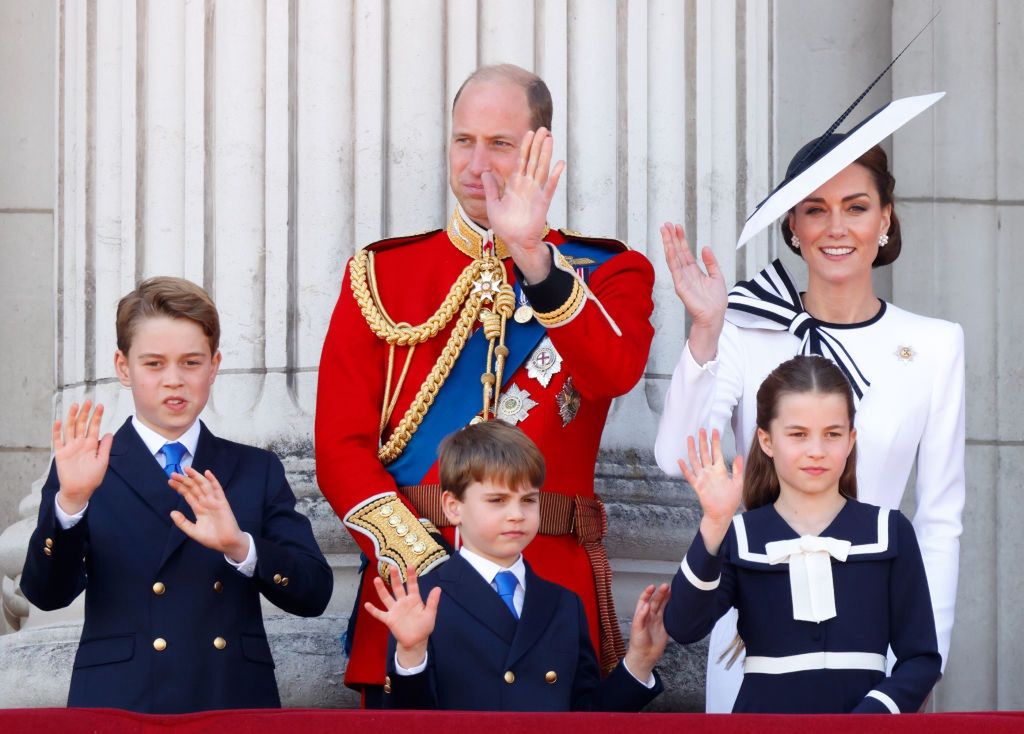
{"x": 215, "y": 526}
{"x": 704, "y": 295}
{"x": 406, "y": 616}
{"x": 719, "y": 493}
{"x": 81, "y": 455}
{"x": 517, "y": 213}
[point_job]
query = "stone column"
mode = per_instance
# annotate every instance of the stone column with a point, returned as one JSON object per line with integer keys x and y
{"x": 961, "y": 180}
{"x": 253, "y": 146}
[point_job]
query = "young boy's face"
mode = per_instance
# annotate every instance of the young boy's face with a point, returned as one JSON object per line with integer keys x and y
{"x": 170, "y": 369}
{"x": 494, "y": 521}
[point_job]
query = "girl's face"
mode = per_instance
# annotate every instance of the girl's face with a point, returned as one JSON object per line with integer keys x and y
{"x": 809, "y": 440}
{"x": 839, "y": 225}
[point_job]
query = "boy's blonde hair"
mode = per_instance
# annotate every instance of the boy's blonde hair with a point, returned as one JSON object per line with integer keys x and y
{"x": 489, "y": 451}
{"x": 175, "y": 298}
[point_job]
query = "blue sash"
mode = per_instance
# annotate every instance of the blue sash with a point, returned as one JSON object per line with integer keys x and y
{"x": 460, "y": 397}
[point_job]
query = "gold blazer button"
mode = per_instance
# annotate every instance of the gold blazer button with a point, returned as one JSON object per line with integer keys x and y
{"x": 159, "y": 644}
{"x": 510, "y": 677}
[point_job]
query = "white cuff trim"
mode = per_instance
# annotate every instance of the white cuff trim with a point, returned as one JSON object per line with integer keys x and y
{"x": 692, "y": 578}
{"x": 886, "y": 701}
{"x": 414, "y": 670}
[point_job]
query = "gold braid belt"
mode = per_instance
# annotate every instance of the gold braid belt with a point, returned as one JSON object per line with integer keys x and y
{"x": 480, "y": 292}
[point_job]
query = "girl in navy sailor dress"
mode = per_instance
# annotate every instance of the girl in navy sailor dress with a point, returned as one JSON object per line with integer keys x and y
{"x": 823, "y": 584}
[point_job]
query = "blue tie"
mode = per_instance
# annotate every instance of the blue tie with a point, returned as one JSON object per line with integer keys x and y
{"x": 507, "y": 582}
{"x": 172, "y": 456}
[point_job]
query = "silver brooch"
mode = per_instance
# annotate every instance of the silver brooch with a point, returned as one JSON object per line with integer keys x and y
{"x": 905, "y": 354}
{"x": 515, "y": 405}
{"x": 544, "y": 362}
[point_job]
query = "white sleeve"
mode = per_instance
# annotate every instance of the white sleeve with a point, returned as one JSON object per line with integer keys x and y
{"x": 414, "y": 670}
{"x": 699, "y": 397}
{"x": 246, "y": 567}
{"x": 941, "y": 488}
{"x": 68, "y": 521}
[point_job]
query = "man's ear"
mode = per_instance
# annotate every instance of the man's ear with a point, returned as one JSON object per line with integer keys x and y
{"x": 121, "y": 368}
{"x": 764, "y": 439}
{"x": 452, "y": 507}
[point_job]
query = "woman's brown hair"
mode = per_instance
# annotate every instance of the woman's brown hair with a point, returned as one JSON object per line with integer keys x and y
{"x": 877, "y": 163}
{"x": 795, "y": 376}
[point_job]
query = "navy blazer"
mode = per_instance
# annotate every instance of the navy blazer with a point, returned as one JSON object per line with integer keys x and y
{"x": 170, "y": 626}
{"x": 480, "y": 658}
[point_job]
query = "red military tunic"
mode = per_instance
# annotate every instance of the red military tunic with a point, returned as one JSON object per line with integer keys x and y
{"x": 413, "y": 275}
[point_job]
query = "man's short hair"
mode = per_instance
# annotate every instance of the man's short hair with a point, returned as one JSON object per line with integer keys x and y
{"x": 538, "y": 97}
{"x": 174, "y": 298}
{"x": 490, "y": 451}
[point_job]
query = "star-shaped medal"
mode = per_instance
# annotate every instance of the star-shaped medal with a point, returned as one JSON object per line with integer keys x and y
{"x": 515, "y": 405}
{"x": 544, "y": 362}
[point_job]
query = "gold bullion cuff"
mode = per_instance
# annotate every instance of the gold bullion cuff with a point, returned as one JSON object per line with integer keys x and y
{"x": 568, "y": 310}
{"x": 399, "y": 538}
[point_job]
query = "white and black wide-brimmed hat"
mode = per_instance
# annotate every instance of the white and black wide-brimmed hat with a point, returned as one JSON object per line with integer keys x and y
{"x": 825, "y": 156}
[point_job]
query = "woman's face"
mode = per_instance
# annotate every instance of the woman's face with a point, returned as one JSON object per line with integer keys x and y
{"x": 839, "y": 225}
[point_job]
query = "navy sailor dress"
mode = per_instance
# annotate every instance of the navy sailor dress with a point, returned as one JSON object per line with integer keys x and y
{"x": 817, "y": 613}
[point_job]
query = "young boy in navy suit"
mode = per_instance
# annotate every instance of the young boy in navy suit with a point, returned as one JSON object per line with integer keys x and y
{"x": 483, "y": 631}
{"x": 172, "y": 532}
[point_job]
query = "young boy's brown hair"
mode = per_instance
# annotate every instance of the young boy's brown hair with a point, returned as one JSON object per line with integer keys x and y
{"x": 492, "y": 450}
{"x": 174, "y": 298}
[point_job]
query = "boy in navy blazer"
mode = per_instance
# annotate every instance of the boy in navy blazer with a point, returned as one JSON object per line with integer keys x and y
{"x": 483, "y": 631}
{"x": 172, "y": 533}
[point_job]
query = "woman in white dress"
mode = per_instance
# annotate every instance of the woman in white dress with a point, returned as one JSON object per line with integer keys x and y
{"x": 906, "y": 370}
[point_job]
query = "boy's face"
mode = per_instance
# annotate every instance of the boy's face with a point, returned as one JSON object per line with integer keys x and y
{"x": 170, "y": 370}
{"x": 494, "y": 521}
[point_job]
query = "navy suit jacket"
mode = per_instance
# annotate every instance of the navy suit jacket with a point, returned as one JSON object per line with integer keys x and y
{"x": 170, "y": 626}
{"x": 480, "y": 658}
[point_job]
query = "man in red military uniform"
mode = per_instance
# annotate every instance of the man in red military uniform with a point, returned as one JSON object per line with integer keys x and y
{"x": 496, "y": 316}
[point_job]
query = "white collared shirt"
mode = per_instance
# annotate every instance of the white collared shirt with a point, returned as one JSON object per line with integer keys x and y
{"x": 490, "y": 569}
{"x": 155, "y": 444}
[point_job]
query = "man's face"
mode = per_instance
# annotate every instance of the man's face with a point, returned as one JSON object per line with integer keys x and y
{"x": 488, "y": 124}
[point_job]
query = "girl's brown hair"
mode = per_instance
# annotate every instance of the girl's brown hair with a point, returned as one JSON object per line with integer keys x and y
{"x": 798, "y": 375}
{"x": 877, "y": 163}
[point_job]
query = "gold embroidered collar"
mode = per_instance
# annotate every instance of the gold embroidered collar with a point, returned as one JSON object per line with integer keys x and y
{"x": 470, "y": 239}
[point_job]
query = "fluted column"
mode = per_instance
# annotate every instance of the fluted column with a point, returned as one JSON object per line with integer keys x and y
{"x": 253, "y": 146}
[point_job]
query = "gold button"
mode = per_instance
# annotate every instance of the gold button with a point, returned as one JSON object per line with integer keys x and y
{"x": 277, "y": 578}
{"x": 49, "y": 542}
{"x": 159, "y": 588}
{"x": 551, "y": 676}
{"x": 284, "y": 581}
{"x": 47, "y": 551}
{"x": 218, "y": 586}
{"x": 220, "y": 643}
{"x": 510, "y": 677}
{"x": 159, "y": 644}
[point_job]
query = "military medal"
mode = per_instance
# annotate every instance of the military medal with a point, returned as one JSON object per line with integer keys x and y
{"x": 568, "y": 400}
{"x": 524, "y": 312}
{"x": 515, "y": 405}
{"x": 544, "y": 362}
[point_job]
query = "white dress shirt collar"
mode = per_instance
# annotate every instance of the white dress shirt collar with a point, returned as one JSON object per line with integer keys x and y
{"x": 154, "y": 441}
{"x": 490, "y": 569}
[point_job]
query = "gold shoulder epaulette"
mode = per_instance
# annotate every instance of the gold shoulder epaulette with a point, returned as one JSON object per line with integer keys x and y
{"x": 399, "y": 538}
{"x": 389, "y": 242}
{"x": 607, "y": 242}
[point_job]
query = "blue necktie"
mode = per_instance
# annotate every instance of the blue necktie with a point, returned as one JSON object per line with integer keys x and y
{"x": 172, "y": 455}
{"x": 507, "y": 582}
